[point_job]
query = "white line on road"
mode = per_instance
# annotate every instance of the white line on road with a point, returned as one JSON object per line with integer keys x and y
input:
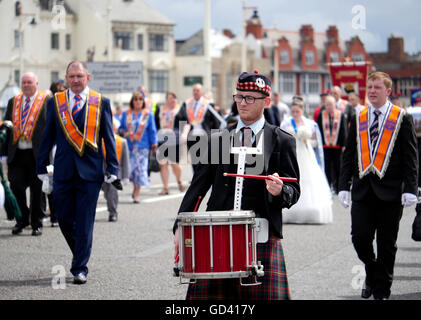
{"x": 161, "y": 198}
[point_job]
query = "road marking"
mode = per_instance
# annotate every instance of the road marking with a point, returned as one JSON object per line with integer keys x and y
{"x": 162, "y": 198}
{"x": 154, "y": 250}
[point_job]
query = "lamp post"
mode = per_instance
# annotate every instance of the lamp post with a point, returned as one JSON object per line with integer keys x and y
{"x": 243, "y": 43}
{"x": 21, "y": 15}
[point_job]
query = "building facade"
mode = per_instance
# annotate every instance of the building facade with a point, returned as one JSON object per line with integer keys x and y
{"x": 405, "y": 69}
{"x": 48, "y": 34}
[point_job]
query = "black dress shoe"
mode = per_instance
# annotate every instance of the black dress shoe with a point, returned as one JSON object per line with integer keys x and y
{"x": 79, "y": 279}
{"x": 366, "y": 292}
{"x": 37, "y": 232}
{"x": 18, "y": 228}
{"x": 112, "y": 217}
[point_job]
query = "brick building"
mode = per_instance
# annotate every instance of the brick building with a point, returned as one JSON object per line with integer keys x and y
{"x": 303, "y": 56}
{"x": 404, "y": 69}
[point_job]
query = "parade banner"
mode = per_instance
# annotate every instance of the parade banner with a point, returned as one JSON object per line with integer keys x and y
{"x": 350, "y": 76}
{"x": 415, "y": 93}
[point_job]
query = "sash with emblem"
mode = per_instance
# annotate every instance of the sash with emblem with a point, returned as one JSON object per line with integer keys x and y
{"x": 118, "y": 147}
{"x": 23, "y": 129}
{"x": 89, "y": 136}
{"x": 378, "y": 161}
{"x": 140, "y": 130}
{"x": 202, "y": 106}
{"x": 166, "y": 117}
{"x": 331, "y": 139}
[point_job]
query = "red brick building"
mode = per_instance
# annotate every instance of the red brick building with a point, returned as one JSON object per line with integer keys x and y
{"x": 303, "y": 56}
{"x": 404, "y": 69}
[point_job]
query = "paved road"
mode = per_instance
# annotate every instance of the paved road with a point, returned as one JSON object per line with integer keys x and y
{"x": 132, "y": 258}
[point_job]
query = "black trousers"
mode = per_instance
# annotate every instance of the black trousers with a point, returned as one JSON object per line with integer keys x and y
{"x": 375, "y": 218}
{"x": 22, "y": 174}
{"x": 332, "y": 166}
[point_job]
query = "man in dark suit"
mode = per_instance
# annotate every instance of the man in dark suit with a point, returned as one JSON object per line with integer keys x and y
{"x": 332, "y": 124}
{"x": 265, "y": 198}
{"x": 199, "y": 121}
{"x": 77, "y": 121}
{"x": 27, "y": 112}
{"x": 381, "y": 163}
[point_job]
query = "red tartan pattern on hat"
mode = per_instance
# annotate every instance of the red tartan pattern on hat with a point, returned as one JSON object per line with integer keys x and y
{"x": 251, "y": 86}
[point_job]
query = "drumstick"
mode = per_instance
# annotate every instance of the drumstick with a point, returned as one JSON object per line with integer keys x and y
{"x": 250, "y": 176}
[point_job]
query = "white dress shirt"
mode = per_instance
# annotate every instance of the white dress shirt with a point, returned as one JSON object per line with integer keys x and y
{"x": 72, "y": 95}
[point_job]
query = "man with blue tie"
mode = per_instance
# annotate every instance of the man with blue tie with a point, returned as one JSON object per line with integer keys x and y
{"x": 27, "y": 113}
{"x": 77, "y": 121}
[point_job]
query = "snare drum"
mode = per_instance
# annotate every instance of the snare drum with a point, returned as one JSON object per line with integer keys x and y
{"x": 217, "y": 244}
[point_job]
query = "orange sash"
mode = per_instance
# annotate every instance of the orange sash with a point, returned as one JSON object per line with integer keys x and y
{"x": 25, "y": 128}
{"x": 379, "y": 161}
{"x": 163, "y": 112}
{"x": 140, "y": 130}
{"x": 118, "y": 147}
{"x": 92, "y": 118}
{"x": 202, "y": 104}
{"x": 331, "y": 139}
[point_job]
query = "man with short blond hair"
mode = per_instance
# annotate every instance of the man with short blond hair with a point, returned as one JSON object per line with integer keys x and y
{"x": 381, "y": 163}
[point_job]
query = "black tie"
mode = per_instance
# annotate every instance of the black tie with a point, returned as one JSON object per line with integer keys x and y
{"x": 247, "y": 137}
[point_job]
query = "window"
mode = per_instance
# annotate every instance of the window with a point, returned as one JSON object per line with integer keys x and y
{"x": 284, "y": 57}
{"x": 287, "y": 82}
{"x": 54, "y": 41}
{"x": 68, "y": 41}
{"x": 54, "y": 76}
{"x": 158, "y": 42}
{"x": 214, "y": 80}
{"x": 310, "y": 83}
{"x": 17, "y": 39}
{"x": 309, "y": 58}
{"x": 140, "y": 42}
{"x": 357, "y": 57}
{"x": 123, "y": 40}
{"x": 334, "y": 56}
{"x": 158, "y": 80}
{"x": 17, "y": 77}
{"x": 192, "y": 80}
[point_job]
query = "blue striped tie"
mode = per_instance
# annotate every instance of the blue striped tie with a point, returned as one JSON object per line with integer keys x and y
{"x": 76, "y": 107}
{"x": 374, "y": 129}
{"x": 26, "y": 108}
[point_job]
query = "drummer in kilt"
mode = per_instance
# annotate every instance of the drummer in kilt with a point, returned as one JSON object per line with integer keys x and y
{"x": 265, "y": 197}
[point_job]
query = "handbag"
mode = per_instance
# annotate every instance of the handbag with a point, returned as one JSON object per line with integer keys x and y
{"x": 153, "y": 163}
{"x": 416, "y": 227}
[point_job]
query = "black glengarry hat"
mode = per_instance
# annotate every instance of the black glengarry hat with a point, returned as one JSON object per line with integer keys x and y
{"x": 254, "y": 82}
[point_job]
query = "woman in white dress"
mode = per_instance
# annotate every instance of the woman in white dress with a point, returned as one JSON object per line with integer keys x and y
{"x": 315, "y": 203}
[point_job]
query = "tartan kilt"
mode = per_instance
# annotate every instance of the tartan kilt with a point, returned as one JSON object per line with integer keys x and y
{"x": 274, "y": 282}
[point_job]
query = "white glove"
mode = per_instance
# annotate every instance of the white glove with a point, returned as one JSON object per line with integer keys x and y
{"x": 409, "y": 199}
{"x": 110, "y": 179}
{"x": 47, "y": 184}
{"x": 125, "y": 181}
{"x": 42, "y": 176}
{"x": 344, "y": 197}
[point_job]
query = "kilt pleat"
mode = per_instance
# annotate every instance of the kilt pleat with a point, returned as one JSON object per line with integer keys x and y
{"x": 274, "y": 282}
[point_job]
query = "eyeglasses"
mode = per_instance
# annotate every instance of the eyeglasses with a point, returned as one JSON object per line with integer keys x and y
{"x": 249, "y": 99}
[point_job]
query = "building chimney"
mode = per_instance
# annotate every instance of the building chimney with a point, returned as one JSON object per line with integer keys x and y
{"x": 228, "y": 33}
{"x": 332, "y": 34}
{"x": 307, "y": 32}
{"x": 254, "y": 26}
{"x": 396, "y": 49}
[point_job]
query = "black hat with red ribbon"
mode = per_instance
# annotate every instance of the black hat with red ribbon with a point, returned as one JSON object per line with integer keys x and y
{"x": 254, "y": 82}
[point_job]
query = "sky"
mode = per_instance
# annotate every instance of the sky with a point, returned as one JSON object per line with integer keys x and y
{"x": 372, "y": 20}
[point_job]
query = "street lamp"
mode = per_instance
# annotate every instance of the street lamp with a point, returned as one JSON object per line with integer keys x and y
{"x": 21, "y": 15}
{"x": 243, "y": 44}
